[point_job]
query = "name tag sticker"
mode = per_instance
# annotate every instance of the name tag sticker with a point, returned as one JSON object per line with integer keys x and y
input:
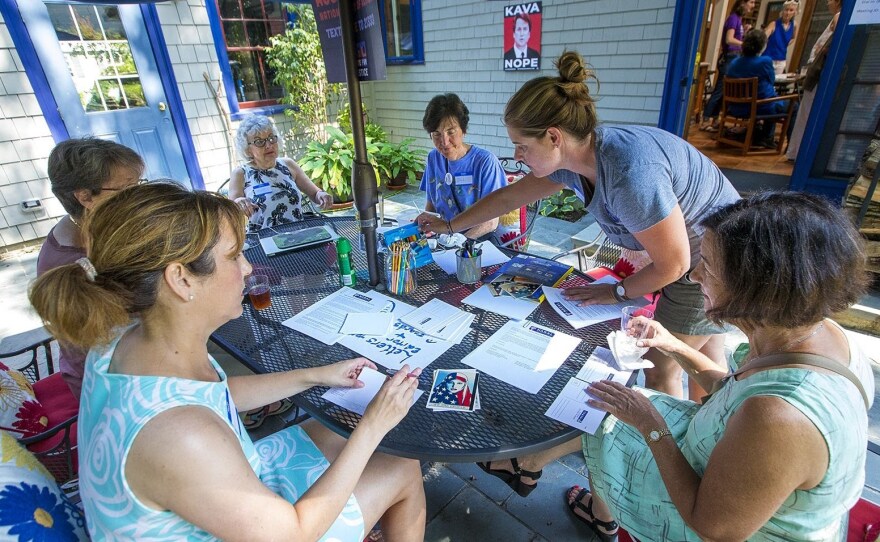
{"x": 262, "y": 189}
{"x": 464, "y": 179}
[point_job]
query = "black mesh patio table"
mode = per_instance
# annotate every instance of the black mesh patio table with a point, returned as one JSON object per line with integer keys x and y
{"x": 511, "y": 422}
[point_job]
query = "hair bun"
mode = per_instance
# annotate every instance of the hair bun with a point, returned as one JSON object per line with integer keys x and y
{"x": 572, "y": 68}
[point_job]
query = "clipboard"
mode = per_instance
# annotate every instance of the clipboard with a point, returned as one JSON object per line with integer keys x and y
{"x": 297, "y": 240}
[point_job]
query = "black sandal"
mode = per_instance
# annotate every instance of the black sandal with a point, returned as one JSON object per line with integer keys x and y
{"x": 514, "y": 479}
{"x": 610, "y": 527}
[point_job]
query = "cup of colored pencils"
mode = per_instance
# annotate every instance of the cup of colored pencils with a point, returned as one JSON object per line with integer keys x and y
{"x": 400, "y": 268}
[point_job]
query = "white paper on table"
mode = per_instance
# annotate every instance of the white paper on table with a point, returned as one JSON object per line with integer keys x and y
{"x": 357, "y": 399}
{"x": 516, "y": 309}
{"x": 366, "y": 323}
{"x": 403, "y": 344}
{"x": 432, "y": 316}
{"x": 582, "y": 316}
{"x": 523, "y": 354}
{"x": 490, "y": 256}
{"x": 570, "y": 406}
{"x": 323, "y": 319}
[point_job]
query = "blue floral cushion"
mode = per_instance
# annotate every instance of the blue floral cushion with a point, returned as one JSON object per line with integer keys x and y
{"x": 32, "y": 508}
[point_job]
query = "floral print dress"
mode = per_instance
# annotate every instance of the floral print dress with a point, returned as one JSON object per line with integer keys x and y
{"x": 275, "y": 194}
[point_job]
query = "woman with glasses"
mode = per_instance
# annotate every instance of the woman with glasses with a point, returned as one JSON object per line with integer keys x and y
{"x": 457, "y": 174}
{"x": 267, "y": 187}
{"x": 83, "y": 173}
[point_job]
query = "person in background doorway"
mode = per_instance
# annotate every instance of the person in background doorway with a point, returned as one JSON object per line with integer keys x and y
{"x": 753, "y": 64}
{"x": 83, "y": 173}
{"x": 731, "y": 47}
{"x": 780, "y": 34}
{"x": 814, "y": 70}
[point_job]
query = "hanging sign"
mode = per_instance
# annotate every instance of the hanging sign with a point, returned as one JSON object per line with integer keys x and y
{"x": 522, "y": 37}
{"x": 369, "y": 51}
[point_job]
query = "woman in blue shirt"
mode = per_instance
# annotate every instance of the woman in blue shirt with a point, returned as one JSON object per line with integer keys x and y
{"x": 457, "y": 174}
{"x": 780, "y": 33}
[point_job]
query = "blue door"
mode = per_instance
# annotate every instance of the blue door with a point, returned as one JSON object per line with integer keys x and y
{"x": 102, "y": 73}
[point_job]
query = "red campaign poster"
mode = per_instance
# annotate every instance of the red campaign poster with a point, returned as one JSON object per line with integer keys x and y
{"x": 522, "y": 37}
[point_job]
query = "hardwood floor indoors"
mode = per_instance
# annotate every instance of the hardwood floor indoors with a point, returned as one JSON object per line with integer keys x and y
{"x": 731, "y": 158}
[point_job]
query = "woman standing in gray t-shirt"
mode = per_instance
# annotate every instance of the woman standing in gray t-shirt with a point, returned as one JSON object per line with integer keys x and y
{"x": 647, "y": 189}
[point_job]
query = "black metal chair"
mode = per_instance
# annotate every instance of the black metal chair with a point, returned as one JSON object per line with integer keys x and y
{"x": 55, "y": 447}
{"x": 528, "y": 214}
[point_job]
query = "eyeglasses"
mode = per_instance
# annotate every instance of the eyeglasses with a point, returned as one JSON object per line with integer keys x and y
{"x": 450, "y": 133}
{"x": 139, "y": 181}
{"x": 261, "y": 142}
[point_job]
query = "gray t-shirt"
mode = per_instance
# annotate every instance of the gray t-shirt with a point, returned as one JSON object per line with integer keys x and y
{"x": 641, "y": 173}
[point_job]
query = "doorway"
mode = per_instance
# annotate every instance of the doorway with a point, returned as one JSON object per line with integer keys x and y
{"x": 103, "y": 76}
{"x": 705, "y": 63}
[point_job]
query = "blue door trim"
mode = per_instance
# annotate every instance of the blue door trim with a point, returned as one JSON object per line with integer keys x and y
{"x": 37, "y": 77}
{"x": 686, "y": 27}
{"x": 33, "y": 69}
{"x": 805, "y": 177}
{"x": 172, "y": 93}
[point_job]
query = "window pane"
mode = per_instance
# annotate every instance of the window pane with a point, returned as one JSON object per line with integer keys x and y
{"x": 113, "y": 29}
{"x": 62, "y": 21}
{"x": 253, "y": 9}
{"x": 112, "y": 94}
{"x": 92, "y": 99}
{"x": 246, "y": 75}
{"x": 256, "y": 31}
{"x": 234, "y": 31}
{"x": 275, "y": 91}
{"x": 862, "y": 110}
{"x": 845, "y": 155}
{"x": 122, "y": 59}
{"x": 87, "y": 21}
{"x": 134, "y": 92}
{"x": 229, "y": 9}
{"x": 398, "y": 24}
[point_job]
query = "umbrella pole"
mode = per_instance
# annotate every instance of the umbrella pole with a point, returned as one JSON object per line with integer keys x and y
{"x": 363, "y": 176}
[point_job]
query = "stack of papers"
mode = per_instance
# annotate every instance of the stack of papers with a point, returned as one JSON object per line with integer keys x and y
{"x": 454, "y": 389}
{"x": 570, "y": 406}
{"x": 357, "y": 399}
{"x": 441, "y": 320}
{"x": 366, "y": 323}
{"x": 399, "y": 345}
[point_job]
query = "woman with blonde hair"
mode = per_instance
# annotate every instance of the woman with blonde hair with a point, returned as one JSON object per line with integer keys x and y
{"x": 645, "y": 187}
{"x": 163, "y": 454}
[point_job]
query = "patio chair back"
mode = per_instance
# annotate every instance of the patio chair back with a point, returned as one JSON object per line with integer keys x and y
{"x": 527, "y": 214}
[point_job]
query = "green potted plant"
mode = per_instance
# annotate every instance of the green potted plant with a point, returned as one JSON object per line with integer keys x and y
{"x": 328, "y": 164}
{"x": 400, "y": 163}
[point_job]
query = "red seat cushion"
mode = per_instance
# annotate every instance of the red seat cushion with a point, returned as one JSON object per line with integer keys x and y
{"x": 864, "y": 522}
{"x": 60, "y": 405}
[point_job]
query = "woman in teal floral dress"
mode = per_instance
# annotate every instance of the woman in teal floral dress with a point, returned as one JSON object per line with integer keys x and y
{"x": 163, "y": 455}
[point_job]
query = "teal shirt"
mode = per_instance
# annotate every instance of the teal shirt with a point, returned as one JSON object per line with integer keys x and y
{"x": 115, "y": 407}
{"x": 625, "y": 475}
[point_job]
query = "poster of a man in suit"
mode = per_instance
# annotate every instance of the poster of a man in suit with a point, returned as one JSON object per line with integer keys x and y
{"x": 522, "y": 37}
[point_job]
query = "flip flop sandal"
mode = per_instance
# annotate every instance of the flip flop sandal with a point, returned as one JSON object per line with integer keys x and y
{"x": 610, "y": 527}
{"x": 253, "y": 419}
{"x": 283, "y": 406}
{"x": 514, "y": 479}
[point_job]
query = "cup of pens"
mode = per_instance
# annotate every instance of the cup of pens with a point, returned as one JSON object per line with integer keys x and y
{"x": 400, "y": 268}
{"x": 467, "y": 263}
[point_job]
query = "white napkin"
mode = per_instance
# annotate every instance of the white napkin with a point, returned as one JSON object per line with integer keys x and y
{"x": 627, "y": 356}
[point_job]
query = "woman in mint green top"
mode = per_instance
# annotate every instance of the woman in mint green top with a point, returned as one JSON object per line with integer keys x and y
{"x": 163, "y": 455}
{"x": 777, "y": 452}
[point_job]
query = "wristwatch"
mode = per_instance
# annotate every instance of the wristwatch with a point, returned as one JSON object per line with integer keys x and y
{"x": 620, "y": 292}
{"x": 657, "y": 434}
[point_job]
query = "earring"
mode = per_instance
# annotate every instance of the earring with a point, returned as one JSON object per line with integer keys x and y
{"x": 191, "y": 297}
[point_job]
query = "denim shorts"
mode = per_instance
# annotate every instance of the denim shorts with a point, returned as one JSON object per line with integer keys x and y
{"x": 680, "y": 309}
